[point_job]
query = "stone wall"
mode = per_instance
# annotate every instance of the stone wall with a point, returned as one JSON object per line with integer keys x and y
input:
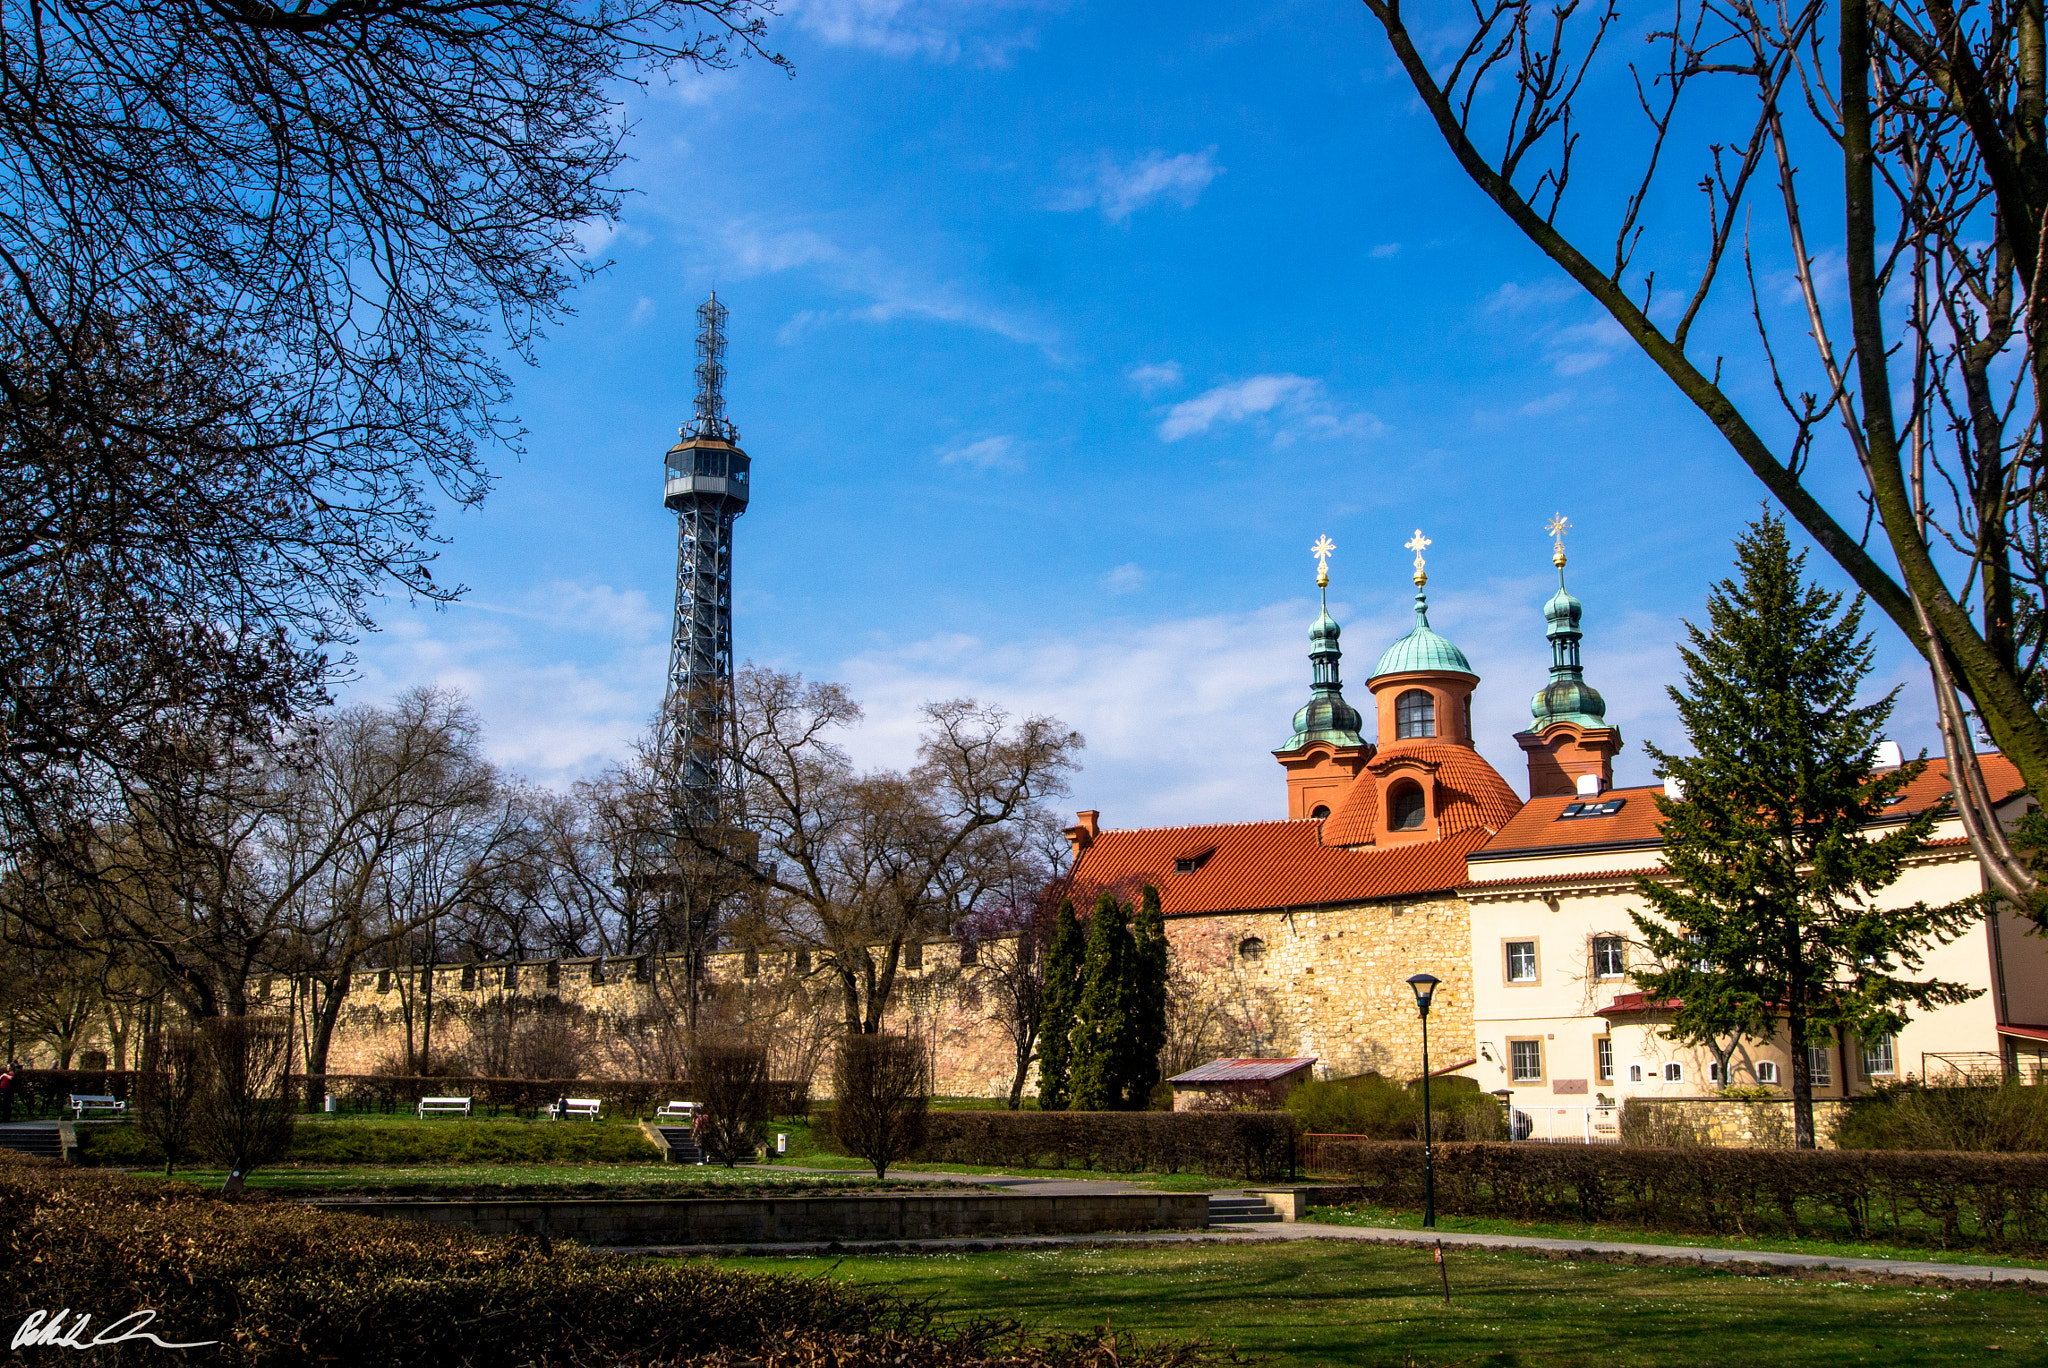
{"x": 1736, "y": 1123}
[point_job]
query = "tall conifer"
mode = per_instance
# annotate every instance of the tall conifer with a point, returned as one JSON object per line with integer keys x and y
{"x": 1771, "y": 911}
{"x": 1062, "y": 995}
{"x": 1102, "y": 1017}
{"x": 1151, "y": 962}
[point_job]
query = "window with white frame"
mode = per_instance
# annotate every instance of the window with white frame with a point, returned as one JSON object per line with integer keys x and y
{"x": 1820, "y": 1070}
{"x": 1525, "y": 1061}
{"x": 1766, "y": 1071}
{"x": 1603, "y": 1058}
{"x": 1674, "y": 1073}
{"x": 1610, "y": 957}
{"x": 1714, "y": 1072}
{"x": 1878, "y": 1057}
{"x": 1521, "y": 961}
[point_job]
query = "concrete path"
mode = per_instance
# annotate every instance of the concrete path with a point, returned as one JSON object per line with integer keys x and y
{"x": 1276, "y": 1231}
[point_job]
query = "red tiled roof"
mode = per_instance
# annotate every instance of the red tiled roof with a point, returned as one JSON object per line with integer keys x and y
{"x": 1628, "y": 1004}
{"x": 1244, "y": 1070}
{"x": 1538, "y": 827}
{"x": 1258, "y": 865}
{"x": 1470, "y": 794}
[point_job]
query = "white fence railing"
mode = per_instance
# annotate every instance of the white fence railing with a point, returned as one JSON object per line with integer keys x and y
{"x": 1593, "y": 1125}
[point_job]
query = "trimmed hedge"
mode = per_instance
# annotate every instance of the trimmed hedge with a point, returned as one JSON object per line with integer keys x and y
{"x": 390, "y": 1093}
{"x": 1999, "y": 1200}
{"x": 444, "y": 1142}
{"x": 45, "y": 1092}
{"x": 283, "y": 1284}
{"x": 1255, "y": 1146}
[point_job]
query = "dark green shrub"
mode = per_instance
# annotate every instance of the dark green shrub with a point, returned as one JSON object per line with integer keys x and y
{"x": 1254, "y": 1146}
{"x": 1373, "y": 1105}
{"x": 2008, "y": 1118}
{"x": 278, "y": 1283}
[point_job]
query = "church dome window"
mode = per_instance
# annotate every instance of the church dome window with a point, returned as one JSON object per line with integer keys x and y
{"x": 1251, "y": 948}
{"x": 1414, "y": 715}
{"x": 1322, "y": 810}
{"x": 1407, "y": 809}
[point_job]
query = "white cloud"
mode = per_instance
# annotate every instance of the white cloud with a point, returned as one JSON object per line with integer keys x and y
{"x": 1121, "y": 190}
{"x": 1554, "y": 402}
{"x": 1150, "y": 379}
{"x": 990, "y": 453}
{"x": 1295, "y": 408}
{"x": 1544, "y": 294}
{"x": 894, "y": 292}
{"x": 986, "y": 31}
{"x": 1125, "y": 579}
{"x": 1571, "y": 347}
{"x": 1385, "y": 250}
{"x": 643, "y": 310}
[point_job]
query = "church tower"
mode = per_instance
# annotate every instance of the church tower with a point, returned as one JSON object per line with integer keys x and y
{"x": 1570, "y": 747}
{"x": 1326, "y": 751}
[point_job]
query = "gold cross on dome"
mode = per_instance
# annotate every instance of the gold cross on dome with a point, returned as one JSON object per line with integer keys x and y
{"x": 1321, "y": 551}
{"x": 1555, "y": 530}
{"x": 1418, "y": 543}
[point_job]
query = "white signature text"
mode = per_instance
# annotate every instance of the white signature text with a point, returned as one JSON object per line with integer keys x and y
{"x": 48, "y": 1329}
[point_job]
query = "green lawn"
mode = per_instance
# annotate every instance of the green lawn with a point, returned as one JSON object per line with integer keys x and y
{"x": 1840, "y": 1246}
{"x": 1318, "y": 1302}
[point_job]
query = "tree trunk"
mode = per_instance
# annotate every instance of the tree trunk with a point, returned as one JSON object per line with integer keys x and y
{"x": 1802, "y": 1073}
{"x": 324, "y": 1019}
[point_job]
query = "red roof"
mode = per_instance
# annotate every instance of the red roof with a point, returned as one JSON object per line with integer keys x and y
{"x": 1253, "y": 866}
{"x": 1244, "y": 1070}
{"x": 1629, "y": 1004}
{"x": 1471, "y": 796}
{"x": 1539, "y": 825}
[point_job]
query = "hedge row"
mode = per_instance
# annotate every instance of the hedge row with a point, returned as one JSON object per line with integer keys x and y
{"x": 520, "y": 1096}
{"x": 1999, "y": 1200}
{"x": 45, "y": 1092}
{"x": 1255, "y": 1146}
{"x": 475, "y": 1142}
{"x": 277, "y": 1283}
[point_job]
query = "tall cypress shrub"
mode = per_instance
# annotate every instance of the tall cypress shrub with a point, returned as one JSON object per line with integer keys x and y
{"x": 1151, "y": 962}
{"x": 1062, "y": 995}
{"x": 1102, "y": 1017}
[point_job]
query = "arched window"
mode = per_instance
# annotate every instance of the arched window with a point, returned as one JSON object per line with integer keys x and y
{"x": 1414, "y": 714}
{"x": 1251, "y": 948}
{"x": 1407, "y": 809}
{"x": 1321, "y": 811}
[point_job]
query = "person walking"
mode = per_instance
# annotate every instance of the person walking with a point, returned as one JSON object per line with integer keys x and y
{"x": 10, "y": 1079}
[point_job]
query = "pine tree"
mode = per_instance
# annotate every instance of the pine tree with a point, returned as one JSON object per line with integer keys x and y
{"x": 1101, "y": 1018}
{"x": 1062, "y": 995}
{"x": 1151, "y": 962}
{"x": 1771, "y": 907}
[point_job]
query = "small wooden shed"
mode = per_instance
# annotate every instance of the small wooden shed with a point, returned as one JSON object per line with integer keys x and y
{"x": 1226, "y": 1084}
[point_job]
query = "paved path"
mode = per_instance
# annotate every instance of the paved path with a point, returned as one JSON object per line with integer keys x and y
{"x": 1276, "y": 1231}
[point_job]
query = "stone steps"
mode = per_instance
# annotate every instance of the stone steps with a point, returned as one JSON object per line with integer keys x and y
{"x": 1240, "y": 1211}
{"x": 45, "y": 1142}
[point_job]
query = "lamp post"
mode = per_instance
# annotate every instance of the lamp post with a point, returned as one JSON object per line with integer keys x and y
{"x": 1425, "y": 988}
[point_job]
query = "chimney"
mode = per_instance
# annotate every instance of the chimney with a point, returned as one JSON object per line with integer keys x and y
{"x": 1087, "y": 826}
{"x": 1674, "y": 788}
{"x": 1589, "y": 786}
{"x": 1889, "y": 756}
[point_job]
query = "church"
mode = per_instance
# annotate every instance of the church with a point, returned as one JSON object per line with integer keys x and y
{"x": 1404, "y": 851}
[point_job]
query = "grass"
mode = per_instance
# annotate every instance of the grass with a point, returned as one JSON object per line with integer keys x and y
{"x": 1330, "y": 1303}
{"x": 1839, "y": 1247}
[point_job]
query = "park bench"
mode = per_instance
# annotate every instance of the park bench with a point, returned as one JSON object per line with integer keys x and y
{"x": 444, "y": 1106}
{"x": 81, "y": 1103}
{"x": 578, "y": 1106}
{"x": 677, "y": 1111}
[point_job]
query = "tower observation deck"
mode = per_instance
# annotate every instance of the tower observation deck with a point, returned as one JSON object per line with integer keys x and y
{"x": 706, "y": 487}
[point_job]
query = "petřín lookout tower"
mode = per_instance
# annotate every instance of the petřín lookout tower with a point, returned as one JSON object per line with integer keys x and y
{"x": 706, "y": 487}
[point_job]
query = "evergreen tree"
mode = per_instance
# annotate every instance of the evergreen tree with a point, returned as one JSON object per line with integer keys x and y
{"x": 1062, "y": 995}
{"x": 1771, "y": 907}
{"x": 1151, "y": 962}
{"x": 1101, "y": 1042}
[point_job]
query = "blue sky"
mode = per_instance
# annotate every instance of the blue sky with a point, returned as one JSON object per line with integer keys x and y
{"x": 1058, "y": 333}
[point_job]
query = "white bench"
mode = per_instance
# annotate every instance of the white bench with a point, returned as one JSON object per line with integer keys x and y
{"x": 444, "y": 1106}
{"x": 579, "y": 1106}
{"x": 82, "y": 1103}
{"x": 677, "y": 1111}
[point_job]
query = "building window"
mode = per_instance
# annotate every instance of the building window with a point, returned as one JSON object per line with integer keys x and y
{"x": 1714, "y": 1072}
{"x": 1766, "y": 1071}
{"x": 511, "y": 977}
{"x": 597, "y": 970}
{"x": 469, "y": 978}
{"x": 554, "y": 974}
{"x": 1610, "y": 957}
{"x": 1603, "y": 1058}
{"x": 1525, "y": 1061}
{"x": 1414, "y": 715}
{"x": 913, "y": 956}
{"x": 1635, "y": 1073}
{"x": 970, "y": 954}
{"x": 1251, "y": 948}
{"x": 1320, "y": 812}
{"x": 1674, "y": 1073}
{"x": 643, "y": 969}
{"x": 1877, "y": 1058}
{"x": 383, "y": 980}
{"x": 1820, "y": 1069}
{"x": 1522, "y": 961}
{"x": 1406, "y": 807}
{"x": 750, "y": 963}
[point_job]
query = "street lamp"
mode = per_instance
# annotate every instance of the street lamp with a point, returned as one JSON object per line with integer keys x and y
{"x": 1425, "y": 988}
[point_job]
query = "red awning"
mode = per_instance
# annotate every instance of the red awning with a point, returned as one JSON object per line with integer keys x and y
{"x": 2025, "y": 1032}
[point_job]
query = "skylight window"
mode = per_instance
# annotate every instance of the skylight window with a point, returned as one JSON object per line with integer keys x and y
{"x": 1605, "y": 807}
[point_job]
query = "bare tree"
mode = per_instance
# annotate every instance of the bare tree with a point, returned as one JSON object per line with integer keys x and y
{"x": 1009, "y": 933}
{"x": 167, "y": 1094}
{"x": 730, "y": 1078}
{"x": 853, "y": 867}
{"x": 1923, "y": 386}
{"x": 245, "y": 1115}
{"x": 881, "y": 1090}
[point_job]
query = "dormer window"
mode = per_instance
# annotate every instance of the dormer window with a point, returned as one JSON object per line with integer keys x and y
{"x": 1407, "y": 809}
{"x": 1185, "y": 866}
{"x": 1192, "y": 860}
{"x": 1414, "y": 715}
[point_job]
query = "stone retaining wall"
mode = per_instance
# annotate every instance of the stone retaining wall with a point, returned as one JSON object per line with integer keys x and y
{"x": 1739, "y": 1123}
{"x": 797, "y": 1220}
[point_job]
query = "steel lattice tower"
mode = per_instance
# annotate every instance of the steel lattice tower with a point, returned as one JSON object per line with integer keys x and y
{"x": 706, "y": 486}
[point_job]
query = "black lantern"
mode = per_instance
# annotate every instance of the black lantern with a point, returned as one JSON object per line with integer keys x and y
{"x": 1425, "y": 989}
